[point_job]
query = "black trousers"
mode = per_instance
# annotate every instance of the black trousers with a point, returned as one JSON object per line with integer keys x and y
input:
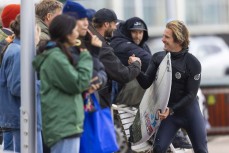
{"x": 189, "y": 118}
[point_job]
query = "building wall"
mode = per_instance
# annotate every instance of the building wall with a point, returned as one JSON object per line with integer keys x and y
{"x": 201, "y": 16}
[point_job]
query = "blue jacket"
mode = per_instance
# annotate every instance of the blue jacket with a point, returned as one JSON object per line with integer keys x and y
{"x": 10, "y": 88}
{"x": 10, "y": 100}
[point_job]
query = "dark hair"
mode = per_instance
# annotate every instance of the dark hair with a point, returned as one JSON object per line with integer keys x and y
{"x": 15, "y": 26}
{"x": 60, "y": 27}
{"x": 97, "y": 25}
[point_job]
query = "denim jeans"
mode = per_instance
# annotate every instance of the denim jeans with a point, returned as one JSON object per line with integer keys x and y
{"x": 39, "y": 142}
{"x": 11, "y": 141}
{"x": 8, "y": 141}
{"x": 67, "y": 145}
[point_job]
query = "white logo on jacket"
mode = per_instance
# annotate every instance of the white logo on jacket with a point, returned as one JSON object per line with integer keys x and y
{"x": 178, "y": 75}
{"x": 197, "y": 77}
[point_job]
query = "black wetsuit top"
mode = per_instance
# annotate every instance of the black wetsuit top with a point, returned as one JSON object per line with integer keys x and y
{"x": 186, "y": 71}
{"x": 186, "y": 76}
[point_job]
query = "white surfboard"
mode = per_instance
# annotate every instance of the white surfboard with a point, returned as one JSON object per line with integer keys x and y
{"x": 155, "y": 99}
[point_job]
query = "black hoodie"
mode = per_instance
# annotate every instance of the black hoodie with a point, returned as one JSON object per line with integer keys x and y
{"x": 124, "y": 46}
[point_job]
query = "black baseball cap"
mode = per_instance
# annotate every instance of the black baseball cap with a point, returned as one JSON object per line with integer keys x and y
{"x": 105, "y": 15}
{"x": 138, "y": 25}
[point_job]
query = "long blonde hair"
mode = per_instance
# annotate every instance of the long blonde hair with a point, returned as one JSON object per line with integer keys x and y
{"x": 180, "y": 32}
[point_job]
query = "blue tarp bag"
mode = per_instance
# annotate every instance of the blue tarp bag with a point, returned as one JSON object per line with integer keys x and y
{"x": 99, "y": 134}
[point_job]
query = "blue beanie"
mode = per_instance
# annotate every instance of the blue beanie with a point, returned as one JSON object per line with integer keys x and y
{"x": 90, "y": 13}
{"x": 75, "y": 9}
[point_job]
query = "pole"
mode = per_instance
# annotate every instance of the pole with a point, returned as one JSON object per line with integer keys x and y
{"x": 28, "y": 107}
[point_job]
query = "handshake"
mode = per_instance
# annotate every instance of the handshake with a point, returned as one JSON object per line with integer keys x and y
{"x": 133, "y": 58}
